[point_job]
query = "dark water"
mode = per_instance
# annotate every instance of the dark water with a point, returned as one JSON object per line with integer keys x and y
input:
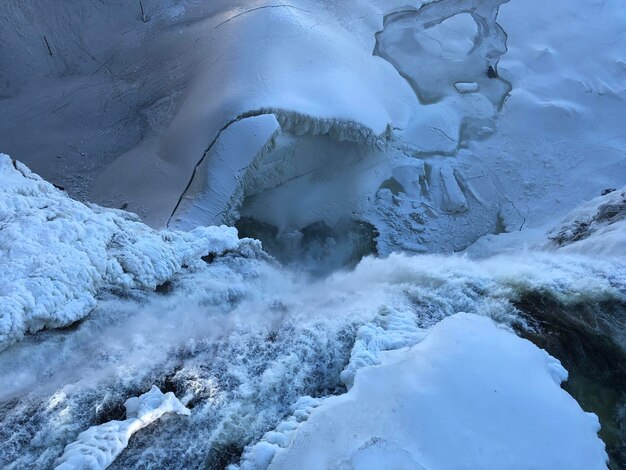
{"x": 585, "y": 337}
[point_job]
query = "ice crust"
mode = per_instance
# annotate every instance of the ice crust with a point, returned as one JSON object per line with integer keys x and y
{"x": 470, "y": 395}
{"x": 97, "y": 447}
{"x": 57, "y": 254}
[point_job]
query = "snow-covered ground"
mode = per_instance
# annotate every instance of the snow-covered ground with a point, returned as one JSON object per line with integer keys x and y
{"x": 377, "y": 111}
{"x": 477, "y": 145}
{"x": 470, "y": 395}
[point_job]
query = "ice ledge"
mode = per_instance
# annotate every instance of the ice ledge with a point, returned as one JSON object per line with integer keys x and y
{"x": 214, "y": 191}
{"x": 97, "y": 447}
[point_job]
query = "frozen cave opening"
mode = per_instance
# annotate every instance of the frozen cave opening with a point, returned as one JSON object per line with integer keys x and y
{"x": 306, "y": 188}
{"x": 309, "y": 198}
{"x": 318, "y": 248}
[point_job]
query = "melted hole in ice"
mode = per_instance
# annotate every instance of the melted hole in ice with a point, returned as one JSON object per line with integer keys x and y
{"x": 392, "y": 185}
{"x": 445, "y": 43}
{"x": 448, "y": 53}
{"x": 589, "y": 340}
{"x": 318, "y": 247}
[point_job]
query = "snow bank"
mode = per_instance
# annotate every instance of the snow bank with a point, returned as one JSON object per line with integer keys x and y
{"x": 97, "y": 447}
{"x": 597, "y": 227}
{"x": 56, "y": 253}
{"x": 471, "y": 395}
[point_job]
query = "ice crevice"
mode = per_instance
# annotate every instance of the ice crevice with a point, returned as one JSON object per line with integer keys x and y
{"x": 251, "y": 10}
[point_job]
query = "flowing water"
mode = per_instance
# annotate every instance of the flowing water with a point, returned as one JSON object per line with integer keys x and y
{"x": 243, "y": 338}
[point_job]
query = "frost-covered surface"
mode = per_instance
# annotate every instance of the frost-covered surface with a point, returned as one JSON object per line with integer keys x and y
{"x": 598, "y": 227}
{"x": 56, "y": 254}
{"x": 470, "y": 395}
{"x": 236, "y": 336}
{"x": 97, "y": 447}
{"x": 388, "y": 111}
{"x": 329, "y": 127}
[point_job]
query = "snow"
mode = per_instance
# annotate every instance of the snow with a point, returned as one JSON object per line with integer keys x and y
{"x": 470, "y": 395}
{"x": 594, "y": 228}
{"x": 217, "y": 187}
{"x": 381, "y": 114}
{"x": 359, "y": 89}
{"x": 241, "y": 337}
{"x": 57, "y": 254}
{"x": 97, "y": 447}
{"x": 597, "y": 227}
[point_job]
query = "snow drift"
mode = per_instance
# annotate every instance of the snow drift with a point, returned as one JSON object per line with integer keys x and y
{"x": 470, "y": 395}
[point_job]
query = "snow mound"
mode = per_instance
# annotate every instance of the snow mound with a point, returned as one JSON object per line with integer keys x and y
{"x": 97, "y": 447}
{"x": 596, "y": 227}
{"x": 392, "y": 329}
{"x": 57, "y": 253}
{"x": 470, "y": 395}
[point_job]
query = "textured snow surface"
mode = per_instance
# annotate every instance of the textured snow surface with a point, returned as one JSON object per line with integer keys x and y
{"x": 56, "y": 254}
{"x": 386, "y": 111}
{"x": 97, "y": 447}
{"x": 241, "y": 340}
{"x": 598, "y": 227}
{"x": 470, "y": 395}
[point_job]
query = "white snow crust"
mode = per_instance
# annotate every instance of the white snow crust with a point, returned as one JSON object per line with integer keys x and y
{"x": 470, "y": 395}
{"x": 97, "y": 447}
